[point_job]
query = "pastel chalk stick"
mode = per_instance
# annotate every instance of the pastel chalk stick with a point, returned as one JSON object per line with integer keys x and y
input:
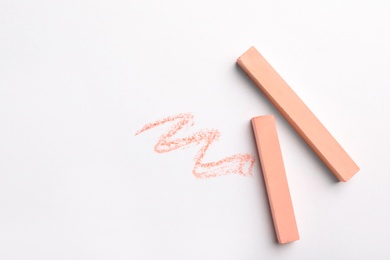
{"x": 272, "y": 166}
{"x": 298, "y": 114}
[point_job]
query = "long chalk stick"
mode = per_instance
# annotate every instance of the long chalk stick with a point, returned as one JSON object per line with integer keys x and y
{"x": 275, "y": 178}
{"x": 298, "y": 114}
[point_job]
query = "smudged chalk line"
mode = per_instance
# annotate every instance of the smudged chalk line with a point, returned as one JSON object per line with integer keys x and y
{"x": 235, "y": 164}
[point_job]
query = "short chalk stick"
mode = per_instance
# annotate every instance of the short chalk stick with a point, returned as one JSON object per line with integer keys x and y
{"x": 275, "y": 178}
{"x": 298, "y": 114}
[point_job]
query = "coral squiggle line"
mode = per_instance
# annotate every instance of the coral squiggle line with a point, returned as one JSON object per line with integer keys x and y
{"x": 230, "y": 165}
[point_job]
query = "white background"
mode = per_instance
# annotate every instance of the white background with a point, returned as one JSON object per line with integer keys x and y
{"x": 79, "y": 78}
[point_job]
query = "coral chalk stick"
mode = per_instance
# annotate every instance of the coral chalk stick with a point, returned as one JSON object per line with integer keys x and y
{"x": 275, "y": 179}
{"x": 298, "y": 114}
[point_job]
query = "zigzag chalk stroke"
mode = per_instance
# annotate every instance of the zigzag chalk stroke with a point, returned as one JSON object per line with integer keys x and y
{"x": 230, "y": 165}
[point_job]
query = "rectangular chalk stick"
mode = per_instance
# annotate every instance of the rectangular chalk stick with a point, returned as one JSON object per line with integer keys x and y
{"x": 275, "y": 178}
{"x": 298, "y": 114}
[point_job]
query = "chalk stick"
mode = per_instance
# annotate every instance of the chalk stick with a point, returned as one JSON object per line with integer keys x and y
{"x": 275, "y": 179}
{"x": 298, "y": 114}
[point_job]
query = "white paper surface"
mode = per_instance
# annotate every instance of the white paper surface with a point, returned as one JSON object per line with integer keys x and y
{"x": 78, "y": 79}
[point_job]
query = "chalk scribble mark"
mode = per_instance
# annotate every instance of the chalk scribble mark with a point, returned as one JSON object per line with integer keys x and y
{"x": 241, "y": 164}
